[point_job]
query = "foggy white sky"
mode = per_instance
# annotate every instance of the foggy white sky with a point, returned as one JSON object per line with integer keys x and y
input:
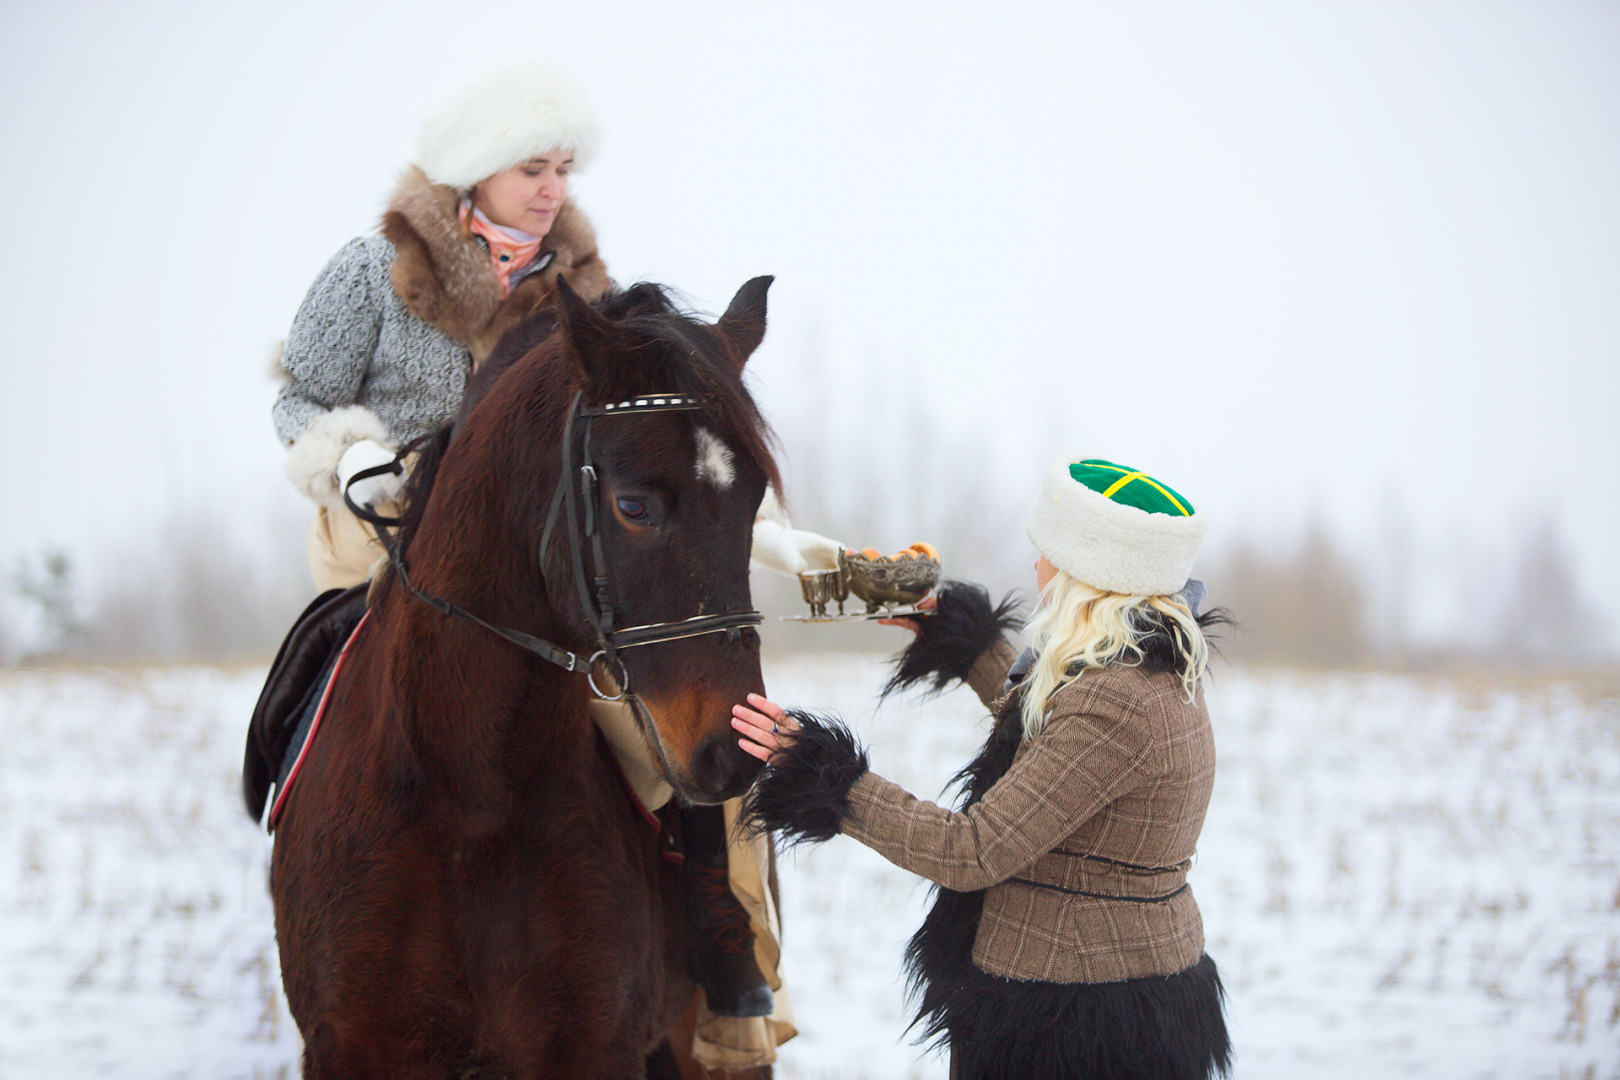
{"x": 1331, "y": 258}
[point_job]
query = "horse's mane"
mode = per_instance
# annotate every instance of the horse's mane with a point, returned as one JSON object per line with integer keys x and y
{"x": 687, "y": 357}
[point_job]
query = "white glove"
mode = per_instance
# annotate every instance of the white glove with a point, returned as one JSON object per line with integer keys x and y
{"x": 792, "y": 551}
{"x": 373, "y": 491}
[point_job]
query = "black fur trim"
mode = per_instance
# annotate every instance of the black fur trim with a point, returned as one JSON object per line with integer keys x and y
{"x": 937, "y": 957}
{"x": 1215, "y": 619}
{"x": 1159, "y": 1028}
{"x": 803, "y": 795}
{"x": 1162, "y": 646}
{"x": 949, "y": 641}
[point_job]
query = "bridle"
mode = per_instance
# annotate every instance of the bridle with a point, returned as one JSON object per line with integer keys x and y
{"x": 577, "y": 497}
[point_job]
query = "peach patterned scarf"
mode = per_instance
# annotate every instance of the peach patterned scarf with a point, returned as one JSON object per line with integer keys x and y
{"x": 509, "y": 249}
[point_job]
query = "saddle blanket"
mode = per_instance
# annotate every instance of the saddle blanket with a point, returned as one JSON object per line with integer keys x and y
{"x": 308, "y": 724}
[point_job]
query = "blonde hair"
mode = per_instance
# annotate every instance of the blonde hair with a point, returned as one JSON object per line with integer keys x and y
{"x": 1079, "y": 627}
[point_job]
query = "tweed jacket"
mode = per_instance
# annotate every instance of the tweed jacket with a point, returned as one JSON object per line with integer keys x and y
{"x": 382, "y": 345}
{"x": 1083, "y": 846}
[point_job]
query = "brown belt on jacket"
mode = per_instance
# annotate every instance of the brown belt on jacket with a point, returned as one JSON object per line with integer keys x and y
{"x": 1180, "y": 869}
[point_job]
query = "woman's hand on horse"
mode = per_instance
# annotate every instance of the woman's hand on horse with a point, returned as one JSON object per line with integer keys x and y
{"x": 927, "y": 603}
{"x": 765, "y": 728}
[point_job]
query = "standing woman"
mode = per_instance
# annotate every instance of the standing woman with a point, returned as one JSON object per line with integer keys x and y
{"x": 1065, "y": 941}
{"x": 473, "y": 240}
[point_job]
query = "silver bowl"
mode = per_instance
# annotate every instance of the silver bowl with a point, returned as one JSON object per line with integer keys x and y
{"x": 885, "y": 582}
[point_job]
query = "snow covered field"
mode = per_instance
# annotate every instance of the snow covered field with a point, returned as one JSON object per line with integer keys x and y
{"x": 1400, "y": 877}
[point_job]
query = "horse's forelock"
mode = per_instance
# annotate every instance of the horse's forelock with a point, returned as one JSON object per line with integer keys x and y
{"x": 662, "y": 347}
{"x": 728, "y": 408}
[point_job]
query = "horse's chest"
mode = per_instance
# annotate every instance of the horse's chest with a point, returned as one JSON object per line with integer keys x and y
{"x": 590, "y": 919}
{"x": 598, "y": 887}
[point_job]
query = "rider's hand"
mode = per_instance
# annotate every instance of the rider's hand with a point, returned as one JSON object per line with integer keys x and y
{"x": 927, "y": 603}
{"x": 373, "y": 490}
{"x": 765, "y": 728}
{"x": 792, "y": 551}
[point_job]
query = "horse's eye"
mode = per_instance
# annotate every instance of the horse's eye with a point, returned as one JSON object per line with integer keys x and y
{"x": 633, "y": 509}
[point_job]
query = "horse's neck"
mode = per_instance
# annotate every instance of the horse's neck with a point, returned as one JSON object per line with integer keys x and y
{"x": 481, "y": 704}
{"x": 479, "y": 713}
{"x": 473, "y": 562}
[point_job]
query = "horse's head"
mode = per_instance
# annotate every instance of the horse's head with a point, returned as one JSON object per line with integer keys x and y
{"x": 674, "y": 500}
{"x": 671, "y": 505}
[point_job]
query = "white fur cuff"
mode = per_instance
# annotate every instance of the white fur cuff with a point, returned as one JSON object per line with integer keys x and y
{"x": 313, "y": 459}
{"x": 792, "y": 551}
{"x": 771, "y": 509}
{"x": 1110, "y": 545}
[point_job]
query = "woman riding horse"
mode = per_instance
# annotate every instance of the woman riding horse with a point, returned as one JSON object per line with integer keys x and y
{"x": 474, "y": 240}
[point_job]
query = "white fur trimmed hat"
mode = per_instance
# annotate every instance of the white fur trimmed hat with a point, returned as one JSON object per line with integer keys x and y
{"x": 502, "y": 120}
{"x": 1115, "y": 528}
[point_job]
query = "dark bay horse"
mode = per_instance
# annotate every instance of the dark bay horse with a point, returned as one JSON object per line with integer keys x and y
{"x": 462, "y": 885}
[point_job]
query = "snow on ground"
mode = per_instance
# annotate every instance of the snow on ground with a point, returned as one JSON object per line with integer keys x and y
{"x": 135, "y": 930}
{"x": 1399, "y": 876}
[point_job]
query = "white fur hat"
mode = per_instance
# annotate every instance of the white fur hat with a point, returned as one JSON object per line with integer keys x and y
{"x": 1115, "y": 528}
{"x": 503, "y": 120}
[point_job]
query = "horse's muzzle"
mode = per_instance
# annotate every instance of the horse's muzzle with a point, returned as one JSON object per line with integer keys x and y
{"x": 721, "y": 770}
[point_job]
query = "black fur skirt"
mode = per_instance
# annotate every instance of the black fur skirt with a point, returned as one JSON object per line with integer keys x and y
{"x": 1164, "y": 1028}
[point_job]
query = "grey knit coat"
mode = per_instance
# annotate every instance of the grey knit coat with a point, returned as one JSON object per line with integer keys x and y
{"x": 382, "y": 345}
{"x": 354, "y": 343}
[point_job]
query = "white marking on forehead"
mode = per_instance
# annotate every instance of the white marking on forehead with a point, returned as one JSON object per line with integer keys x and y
{"x": 714, "y": 460}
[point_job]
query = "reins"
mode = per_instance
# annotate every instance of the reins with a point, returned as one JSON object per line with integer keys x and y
{"x": 595, "y": 592}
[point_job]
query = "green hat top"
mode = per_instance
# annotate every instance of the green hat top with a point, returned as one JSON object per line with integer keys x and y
{"x": 1114, "y": 528}
{"x": 1130, "y": 487}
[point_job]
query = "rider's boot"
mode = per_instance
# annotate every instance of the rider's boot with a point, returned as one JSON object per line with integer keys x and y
{"x": 721, "y": 940}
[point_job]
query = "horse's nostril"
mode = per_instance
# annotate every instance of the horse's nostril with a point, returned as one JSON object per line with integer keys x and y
{"x": 721, "y": 767}
{"x": 711, "y": 764}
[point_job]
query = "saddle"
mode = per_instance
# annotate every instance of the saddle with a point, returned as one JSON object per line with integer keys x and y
{"x": 287, "y": 707}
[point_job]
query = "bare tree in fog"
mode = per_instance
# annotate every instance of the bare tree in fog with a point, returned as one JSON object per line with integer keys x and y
{"x": 1546, "y": 619}
{"x": 1306, "y": 606}
{"x": 196, "y": 593}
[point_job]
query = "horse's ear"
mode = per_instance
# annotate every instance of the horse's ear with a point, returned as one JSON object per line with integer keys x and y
{"x": 743, "y": 324}
{"x": 586, "y": 330}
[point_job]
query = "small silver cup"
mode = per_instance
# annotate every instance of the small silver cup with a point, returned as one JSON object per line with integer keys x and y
{"x": 820, "y": 586}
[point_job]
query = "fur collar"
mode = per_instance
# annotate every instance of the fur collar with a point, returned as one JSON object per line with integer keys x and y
{"x": 445, "y": 277}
